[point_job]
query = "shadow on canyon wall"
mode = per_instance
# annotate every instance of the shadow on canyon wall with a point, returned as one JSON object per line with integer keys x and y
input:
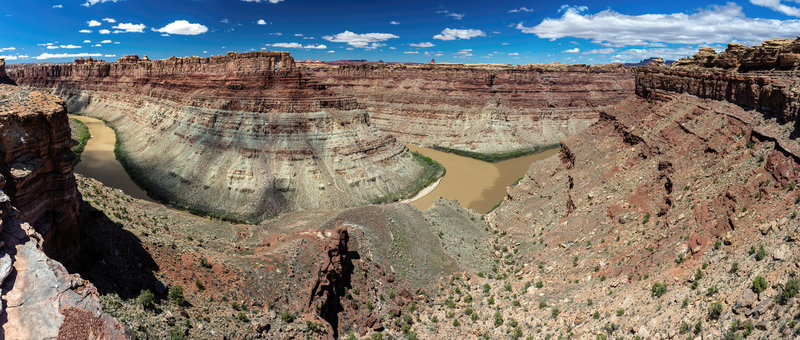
{"x": 112, "y": 258}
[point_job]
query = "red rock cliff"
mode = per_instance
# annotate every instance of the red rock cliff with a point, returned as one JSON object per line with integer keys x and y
{"x": 37, "y": 164}
{"x": 485, "y": 108}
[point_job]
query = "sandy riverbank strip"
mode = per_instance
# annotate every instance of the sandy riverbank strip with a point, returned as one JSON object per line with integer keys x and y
{"x": 423, "y": 192}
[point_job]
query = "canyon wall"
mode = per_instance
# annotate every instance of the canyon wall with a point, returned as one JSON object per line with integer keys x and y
{"x": 760, "y": 77}
{"x": 241, "y": 135}
{"x": 40, "y": 299}
{"x": 481, "y": 108}
{"x": 37, "y": 166}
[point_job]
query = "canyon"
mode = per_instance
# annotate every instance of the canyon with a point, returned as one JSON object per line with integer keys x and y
{"x": 270, "y": 140}
{"x": 670, "y": 211}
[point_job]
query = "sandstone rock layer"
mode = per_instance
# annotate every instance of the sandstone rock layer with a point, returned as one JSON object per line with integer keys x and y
{"x": 242, "y": 135}
{"x": 482, "y": 108}
{"x": 37, "y": 165}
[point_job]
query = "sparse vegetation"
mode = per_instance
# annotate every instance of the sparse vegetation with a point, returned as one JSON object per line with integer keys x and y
{"x": 658, "y": 289}
{"x": 146, "y": 299}
{"x": 496, "y": 157}
{"x": 759, "y": 284}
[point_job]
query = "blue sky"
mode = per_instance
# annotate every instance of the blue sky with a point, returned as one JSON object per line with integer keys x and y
{"x": 501, "y": 31}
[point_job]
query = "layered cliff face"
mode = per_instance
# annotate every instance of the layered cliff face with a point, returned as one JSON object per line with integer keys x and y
{"x": 3, "y": 76}
{"x": 481, "y": 108}
{"x": 40, "y": 299}
{"x": 37, "y": 164}
{"x": 758, "y": 77}
{"x": 242, "y": 135}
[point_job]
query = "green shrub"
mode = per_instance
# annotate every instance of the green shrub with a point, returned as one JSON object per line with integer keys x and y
{"x": 658, "y": 289}
{"x": 287, "y": 317}
{"x": 554, "y": 312}
{"x": 596, "y": 314}
{"x": 177, "y": 333}
{"x": 539, "y": 284}
{"x": 789, "y": 290}
{"x": 715, "y": 310}
{"x": 759, "y": 284}
{"x": 761, "y": 253}
{"x": 242, "y": 316}
{"x": 176, "y": 295}
{"x": 498, "y": 319}
{"x": 620, "y": 312}
{"x": 146, "y": 299}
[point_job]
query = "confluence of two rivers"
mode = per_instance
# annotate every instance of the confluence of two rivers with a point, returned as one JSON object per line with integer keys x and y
{"x": 474, "y": 184}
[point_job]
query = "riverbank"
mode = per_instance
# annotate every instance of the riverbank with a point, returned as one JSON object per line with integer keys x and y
{"x": 432, "y": 174}
{"x": 80, "y": 133}
{"x": 499, "y": 156}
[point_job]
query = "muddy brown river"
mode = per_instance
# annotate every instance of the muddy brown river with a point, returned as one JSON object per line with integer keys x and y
{"x": 475, "y": 184}
{"x": 98, "y": 160}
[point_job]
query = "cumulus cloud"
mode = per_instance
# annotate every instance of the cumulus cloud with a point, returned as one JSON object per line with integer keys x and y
{"x": 601, "y": 51}
{"x": 365, "y": 40}
{"x": 105, "y": 42}
{"x": 513, "y": 53}
{"x": 453, "y": 34}
{"x": 102, "y": 31}
{"x": 298, "y": 45}
{"x": 85, "y": 31}
{"x": 3, "y": 49}
{"x": 715, "y": 24}
{"x": 85, "y": 42}
{"x": 465, "y": 53}
{"x": 572, "y": 50}
{"x": 110, "y": 20}
{"x": 521, "y": 9}
{"x": 457, "y": 16}
{"x": 90, "y": 3}
{"x": 411, "y": 52}
{"x": 67, "y": 55}
{"x": 51, "y": 46}
{"x": 261, "y": 22}
{"x": 182, "y": 27}
{"x": 14, "y": 57}
{"x": 58, "y": 6}
{"x": 129, "y": 28}
{"x": 394, "y": 22}
{"x": 93, "y": 23}
{"x": 777, "y": 6}
{"x": 264, "y": 1}
{"x": 422, "y": 44}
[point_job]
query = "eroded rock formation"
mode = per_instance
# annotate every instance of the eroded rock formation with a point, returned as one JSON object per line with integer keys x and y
{"x": 483, "y": 108}
{"x": 37, "y": 164}
{"x": 241, "y": 135}
{"x": 40, "y": 299}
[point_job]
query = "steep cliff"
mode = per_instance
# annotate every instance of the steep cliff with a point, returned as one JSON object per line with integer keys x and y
{"x": 37, "y": 164}
{"x": 3, "y": 76}
{"x": 241, "y": 135}
{"x": 40, "y": 299}
{"x": 482, "y": 108}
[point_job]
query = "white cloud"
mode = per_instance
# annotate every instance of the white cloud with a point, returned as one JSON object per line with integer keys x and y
{"x": 85, "y": 31}
{"x": 411, "y": 52}
{"x": 90, "y": 3}
{"x": 93, "y": 23}
{"x": 572, "y": 50}
{"x": 110, "y": 20}
{"x": 67, "y": 55}
{"x": 85, "y": 42}
{"x": 777, "y": 6}
{"x": 103, "y": 31}
{"x": 276, "y": 33}
{"x": 182, "y": 27}
{"x": 601, "y": 51}
{"x": 129, "y": 28}
{"x": 715, "y": 24}
{"x": 14, "y": 57}
{"x": 3, "y": 49}
{"x": 365, "y": 40}
{"x": 298, "y": 34}
{"x": 261, "y": 22}
{"x": 331, "y": 51}
{"x": 394, "y": 22}
{"x": 465, "y": 53}
{"x": 58, "y": 6}
{"x": 264, "y": 1}
{"x": 637, "y": 54}
{"x": 513, "y": 53}
{"x": 297, "y": 45}
{"x": 51, "y": 46}
{"x": 422, "y": 44}
{"x": 521, "y": 9}
{"x": 453, "y": 34}
{"x": 97, "y": 45}
{"x": 110, "y": 55}
{"x": 457, "y": 16}
{"x": 106, "y": 42}
{"x": 70, "y": 46}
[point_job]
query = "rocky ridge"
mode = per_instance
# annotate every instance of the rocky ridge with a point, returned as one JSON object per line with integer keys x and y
{"x": 41, "y": 299}
{"x": 270, "y": 139}
{"x": 481, "y": 108}
{"x": 37, "y": 166}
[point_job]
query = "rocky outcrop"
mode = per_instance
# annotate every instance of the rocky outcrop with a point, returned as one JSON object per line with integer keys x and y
{"x": 3, "y": 76}
{"x": 758, "y": 77}
{"x": 36, "y": 160}
{"x": 331, "y": 280}
{"x": 482, "y": 108}
{"x": 241, "y": 135}
{"x": 40, "y": 299}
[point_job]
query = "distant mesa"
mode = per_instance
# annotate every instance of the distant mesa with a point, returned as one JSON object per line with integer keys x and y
{"x": 652, "y": 61}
